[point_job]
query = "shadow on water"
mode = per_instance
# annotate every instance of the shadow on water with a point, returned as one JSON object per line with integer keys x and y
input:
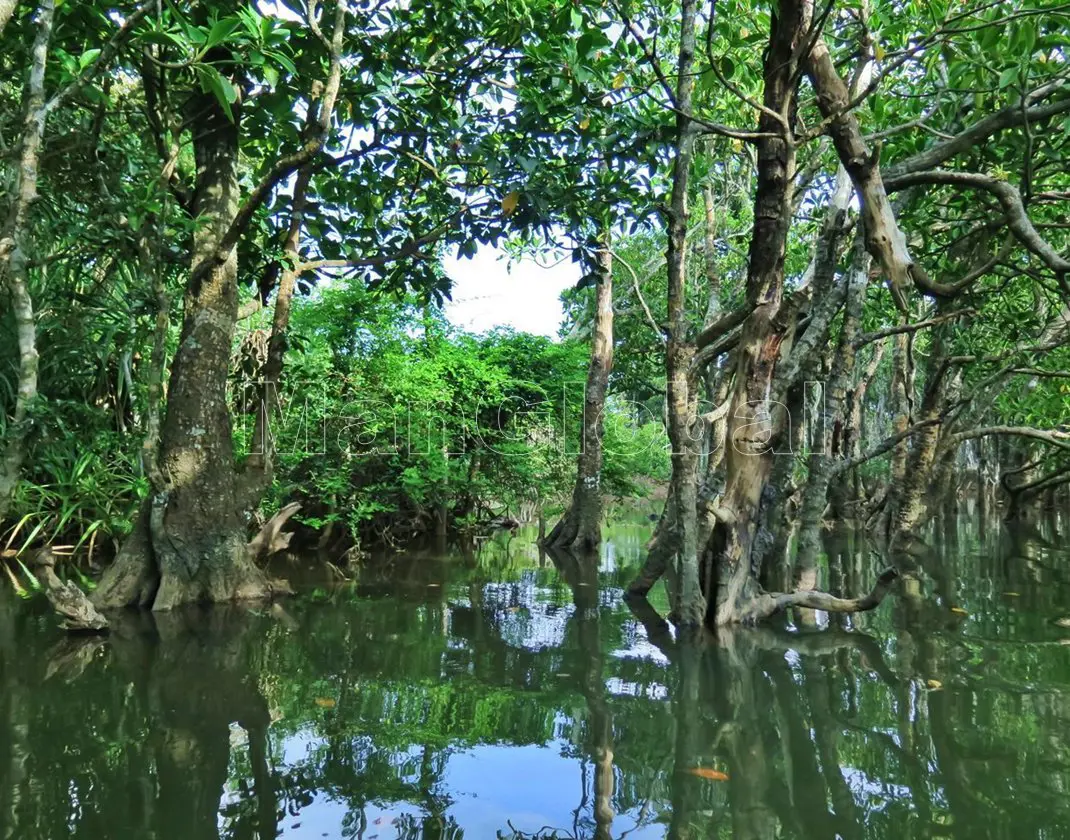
{"x": 506, "y": 693}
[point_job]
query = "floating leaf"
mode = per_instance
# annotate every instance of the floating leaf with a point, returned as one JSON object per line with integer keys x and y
{"x": 959, "y": 611}
{"x": 708, "y": 773}
{"x": 1062, "y": 622}
{"x": 326, "y": 702}
{"x": 879, "y": 52}
{"x": 585, "y": 123}
{"x": 618, "y": 80}
{"x": 509, "y": 203}
{"x": 1013, "y": 594}
{"x": 934, "y": 685}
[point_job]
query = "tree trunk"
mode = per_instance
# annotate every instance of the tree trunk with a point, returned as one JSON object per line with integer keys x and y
{"x": 824, "y": 455}
{"x": 909, "y": 500}
{"x": 580, "y": 529}
{"x": 902, "y": 415}
{"x": 681, "y": 399}
{"x": 7, "y": 9}
{"x": 750, "y": 428}
{"x": 189, "y": 544}
{"x": 15, "y": 256}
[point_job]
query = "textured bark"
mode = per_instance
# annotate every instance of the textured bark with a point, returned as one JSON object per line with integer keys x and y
{"x": 770, "y": 562}
{"x": 748, "y": 456}
{"x": 581, "y": 527}
{"x": 681, "y": 399}
{"x": 909, "y": 493}
{"x": 804, "y": 362}
{"x": 847, "y": 496}
{"x": 659, "y": 550}
{"x": 15, "y": 258}
{"x": 190, "y": 542}
{"x": 7, "y": 9}
{"x": 884, "y": 240}
{"x": 902, "y": 399}
{"x": 824, "y": 455}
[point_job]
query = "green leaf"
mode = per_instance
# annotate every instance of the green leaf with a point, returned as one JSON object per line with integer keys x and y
{"x": 220, "y": 31}
{"x": 87, "y": 58}
{"x": 1008, "y": 77}
{"x": 213, "y": 82}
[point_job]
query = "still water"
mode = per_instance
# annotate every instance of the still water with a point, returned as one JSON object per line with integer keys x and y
{"x": 498, "y": 695}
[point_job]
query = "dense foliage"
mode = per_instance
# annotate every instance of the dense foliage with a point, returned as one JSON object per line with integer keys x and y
{"x": 223, "y": 231}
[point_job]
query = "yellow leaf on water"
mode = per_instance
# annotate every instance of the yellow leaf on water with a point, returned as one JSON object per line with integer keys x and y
{"x": 618, "y": 80}
{"x": 737, "y": 144}
{"x": 935, "y": 685}
{"x": 709, "y": 774}
{"x": 879, "y": 52}
{"x": 585, "y": 123}
{"x": 959, "y": 611}
{"x": 509, "y": 203}
{"x": 326, "y": 702}
{"x": 1013, "y": 594}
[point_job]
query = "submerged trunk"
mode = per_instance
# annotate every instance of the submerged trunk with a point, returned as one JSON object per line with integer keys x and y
{"x": 189, "y": 544}
{"x": 581, "y": 527}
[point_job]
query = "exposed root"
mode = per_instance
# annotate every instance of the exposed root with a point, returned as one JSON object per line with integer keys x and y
{"x": 70, "y": 603}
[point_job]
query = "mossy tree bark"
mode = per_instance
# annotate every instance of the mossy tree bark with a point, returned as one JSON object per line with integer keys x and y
{"x": 190, "y": 544}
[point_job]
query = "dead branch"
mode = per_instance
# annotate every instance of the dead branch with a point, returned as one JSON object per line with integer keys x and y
{"x": 270, "y": 539}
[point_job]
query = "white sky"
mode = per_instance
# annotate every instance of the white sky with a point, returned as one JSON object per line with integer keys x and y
{"x": 490, "y": 291}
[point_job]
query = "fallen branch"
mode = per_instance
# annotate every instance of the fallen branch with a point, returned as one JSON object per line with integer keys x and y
{"x": 770, "y": 603}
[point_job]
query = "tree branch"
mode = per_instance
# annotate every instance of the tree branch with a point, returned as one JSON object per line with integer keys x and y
{"x": 1058, "y": 439}
{"x": 1009, "y": 199}
{"x": 877, "y": 335}
{"x": 884, "y": 446}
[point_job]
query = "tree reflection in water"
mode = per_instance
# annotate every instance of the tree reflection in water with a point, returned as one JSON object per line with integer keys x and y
{"x": 501, "y": 695}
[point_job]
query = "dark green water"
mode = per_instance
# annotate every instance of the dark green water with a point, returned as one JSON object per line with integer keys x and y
{"x": 474, "y": 698}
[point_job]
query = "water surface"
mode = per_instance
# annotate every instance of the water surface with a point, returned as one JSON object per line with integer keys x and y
{"x": 497, "y": 695}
